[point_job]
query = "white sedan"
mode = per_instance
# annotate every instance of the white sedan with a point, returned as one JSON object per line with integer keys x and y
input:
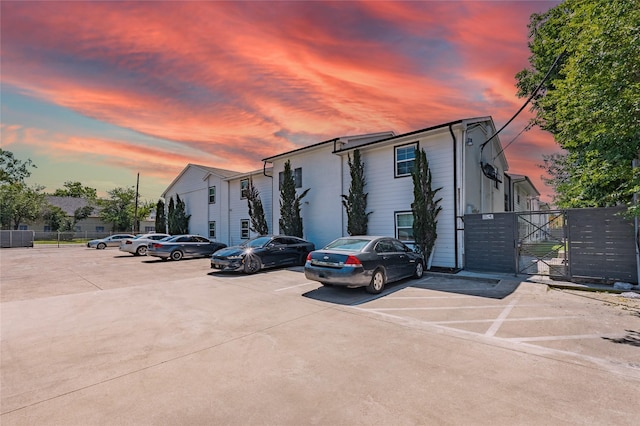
{"x": 138, "y": 245}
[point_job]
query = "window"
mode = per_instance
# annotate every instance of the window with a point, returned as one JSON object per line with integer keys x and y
{"x": 47, "y": 228}
{"x": 22, "y": 227}
{"x": 244, "y": 229}
{"x": 404, "y": 226}
{"x": 297, "y": 178}
{"x": 99, "y": 228}
{"x": 212, "y": 229}
{"x": 244, "y": 188}
{"x": 212, "y": 195}
{"x": 149, "y": 229}
{"x": 405, "y": 159}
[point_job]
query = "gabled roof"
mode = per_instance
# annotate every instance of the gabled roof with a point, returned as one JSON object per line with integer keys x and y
{"x": 221, "y": 173}
{"x": 70, "y": 204}
{"x": 355, "y": 139}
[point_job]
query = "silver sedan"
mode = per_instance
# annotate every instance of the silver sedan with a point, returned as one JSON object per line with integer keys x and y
{"x": 110, "y": 241}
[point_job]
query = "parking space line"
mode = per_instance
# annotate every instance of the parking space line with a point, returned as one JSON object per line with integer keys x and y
{"x": 503, "y": 315}
{"x": 442, "y": 308}
{"x": 505, "y": 320}
{"x": 295, "y": 286}
{"x": 430, "y": 297}
{"x": 553, "y": 338}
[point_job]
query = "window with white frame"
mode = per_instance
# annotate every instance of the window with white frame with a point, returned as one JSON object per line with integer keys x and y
{"x": 405, "y": 158}
{"x": 212, "y": 229}
{"x": 244, "y": 188}
{"x": 212, "y": 195}
{"x": 404, "y": 226}
{"x": 297, "y": 178}
{"x": 244, "y": 229}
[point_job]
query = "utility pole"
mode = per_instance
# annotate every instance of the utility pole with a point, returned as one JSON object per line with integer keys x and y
{"x": 136, "y": 223}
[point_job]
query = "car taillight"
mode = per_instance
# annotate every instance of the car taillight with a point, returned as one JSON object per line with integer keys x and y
{"x": 156, "y": 245}
{"x": 128, "y": 242}
{"x": 309, "y": 257}
{"x": 353, "y": 261}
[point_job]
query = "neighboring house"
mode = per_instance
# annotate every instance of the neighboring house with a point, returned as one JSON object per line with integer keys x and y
{"x": 465, "y": 159}
{"x": 522, "y": 194}
{"x": 92, "y": 224}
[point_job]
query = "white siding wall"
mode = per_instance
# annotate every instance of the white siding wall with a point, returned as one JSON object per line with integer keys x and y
{"x": 218, "y": 211}
{"x": 194, "y": 191}
{"x": 388, "y": 194}
{"x": 238, "y": 207}
{"x": 321, "y": 209}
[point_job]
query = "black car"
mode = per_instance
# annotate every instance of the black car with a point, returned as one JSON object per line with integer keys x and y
{"x": 363, "y": 261}
{"x": 266, "y": 251}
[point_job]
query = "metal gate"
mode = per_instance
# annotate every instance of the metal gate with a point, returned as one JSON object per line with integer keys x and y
{"x": 542, "y": 243}
{"x": 576, "y": 244}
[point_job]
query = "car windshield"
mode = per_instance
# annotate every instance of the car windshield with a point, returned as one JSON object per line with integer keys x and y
{"x": 349, "y": 244}
{"x": 257, "y": 242}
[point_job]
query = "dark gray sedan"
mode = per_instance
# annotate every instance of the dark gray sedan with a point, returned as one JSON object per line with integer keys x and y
{"x": 363, "y": 261}
{"x": 266, "y": 251}
{"x": 179, "y": 246}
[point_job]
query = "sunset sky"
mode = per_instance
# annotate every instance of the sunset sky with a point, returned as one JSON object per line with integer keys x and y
{"x": 99, "y": 91}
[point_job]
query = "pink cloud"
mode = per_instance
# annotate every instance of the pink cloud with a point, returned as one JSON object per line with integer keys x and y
{"x": 226, "y": 82}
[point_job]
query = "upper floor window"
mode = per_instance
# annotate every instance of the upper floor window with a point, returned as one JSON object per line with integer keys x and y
{"x": 297, "y": 178}
{"x": 212, "y": 195}
{"x": 405, "y": 159}
{"x": 244, "y": 188}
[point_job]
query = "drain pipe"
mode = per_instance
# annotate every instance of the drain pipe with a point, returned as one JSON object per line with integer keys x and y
{"x": 455, "y": 194}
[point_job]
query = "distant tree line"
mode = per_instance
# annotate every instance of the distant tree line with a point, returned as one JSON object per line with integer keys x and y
{"x": 21, "y": 202}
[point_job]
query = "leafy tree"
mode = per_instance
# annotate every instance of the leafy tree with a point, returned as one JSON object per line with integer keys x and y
{"x": 256, "y": 211}
{"x": 54, "y": 217}
{"x": 590, "y": 102}
{"x": 13, "y": 170}
{"x": 161, "y": 218}
{"x": 20, "y": 203}
{"x": 76, "y": 190}
{"x": 356, "y": 202}
{"x": 290, "y": 219}
{"x": 177, "y": 218}
{"x": 118, "y": 209}
{"x": 81, "y": 213}
{"x": 425, "y": 206}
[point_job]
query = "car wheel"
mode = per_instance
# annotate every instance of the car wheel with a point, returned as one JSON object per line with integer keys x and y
{"x": 101, "y": 246}
{"x": 419, "y": 270}
{"x": 141, "y": 251}
{"x": 252, "y": 264}
{"x": 377, "y": 282}
{"x": 176, "y": 255}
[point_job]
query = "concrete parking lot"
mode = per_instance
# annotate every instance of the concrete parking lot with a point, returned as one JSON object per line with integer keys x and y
{"x": 106, "y": 338}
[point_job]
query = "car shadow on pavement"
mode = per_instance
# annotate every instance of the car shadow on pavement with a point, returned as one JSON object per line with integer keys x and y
{"x": 353, "y": 296}
{"x": 493, "y": 289}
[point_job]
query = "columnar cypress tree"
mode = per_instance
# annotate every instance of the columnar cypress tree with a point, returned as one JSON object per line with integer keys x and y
{"x": 171, "y": 218}
{"x": 256, "y": 211}
{"x": 161, "y": 218}
{"x": 290, "y": 220}
{"x": 425, "y": 206}
{"x": 356, "y": 202}
{"x": 182, "y": 218}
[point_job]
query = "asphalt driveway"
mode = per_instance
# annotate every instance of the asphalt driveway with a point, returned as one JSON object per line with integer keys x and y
{"x": 100, "y": 337}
